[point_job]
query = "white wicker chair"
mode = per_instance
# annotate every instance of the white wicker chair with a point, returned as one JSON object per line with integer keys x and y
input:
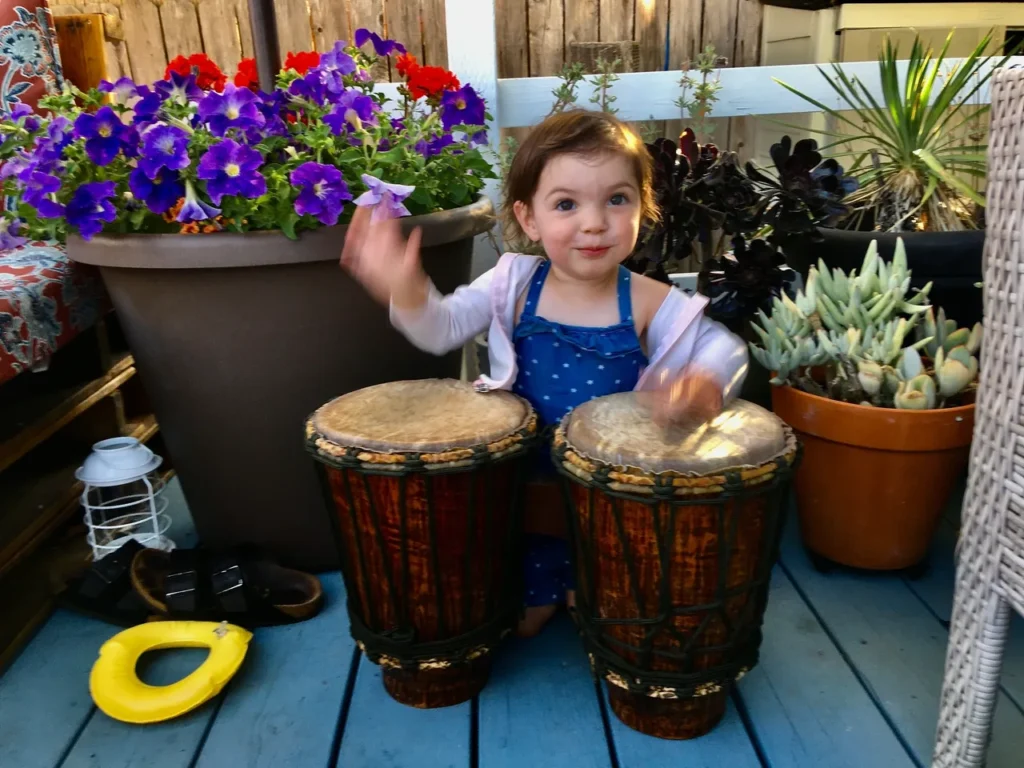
{"x": 990, "y": 568}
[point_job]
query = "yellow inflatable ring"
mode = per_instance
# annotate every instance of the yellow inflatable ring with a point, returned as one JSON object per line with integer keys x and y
{"x": 118, "y": 691}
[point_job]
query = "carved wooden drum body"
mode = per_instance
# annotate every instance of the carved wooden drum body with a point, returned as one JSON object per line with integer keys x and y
{"x": 424, "y": 486}
{"x": 675, "y": 532}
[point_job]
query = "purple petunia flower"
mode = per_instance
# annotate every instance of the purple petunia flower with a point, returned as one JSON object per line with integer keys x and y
{"x": 9, "y": 237}
{"x": 20, "y": 111}
{"x": 124, "y": 90}
{"x": 234, "y": 108}
{"x": 352, "y": 110}
{"x": 20, "y": 166}
{"x": 104, "y": 133}
{"x": 382, "y": 47}
{"x": 59, "y": 133}
{"x": 179, "y": 88}
{"x": 230, "y": 168}
{"x": 337, "y": 60}
{"x": 323, "y": 192}
{"x": 90, "y": 207}
{"x": 435, "y": 145}
{"x": 194, "y": 209}
{"x": 147, "y": 106}
{"x": 163, "y": 146}
{"x": 310, "y": 86}
{"x": 462, "y": 107}
{"x": 159, "y": 193}
{"x": 385, "y": 198}
{"x": 39, "y": 186}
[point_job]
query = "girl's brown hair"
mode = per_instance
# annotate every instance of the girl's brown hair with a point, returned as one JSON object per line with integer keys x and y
{"x": 580, "y": 132}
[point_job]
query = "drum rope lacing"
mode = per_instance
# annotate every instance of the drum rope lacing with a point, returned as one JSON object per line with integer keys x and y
{"x": 605, "y": 652}
{"x": 398, "y": 647}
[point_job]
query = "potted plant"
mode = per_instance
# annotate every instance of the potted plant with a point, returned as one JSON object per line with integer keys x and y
{"x": 216, "y": 214}
{"x": 915, "y": 158}
{"x": 886, "y": 429}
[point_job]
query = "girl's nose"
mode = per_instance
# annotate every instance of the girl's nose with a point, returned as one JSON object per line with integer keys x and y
{"x": 594, "y": 219}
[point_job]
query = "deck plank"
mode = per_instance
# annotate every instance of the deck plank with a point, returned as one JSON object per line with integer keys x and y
{"x": 936, "y": 587}
{"x": 283, "y": 706}
{"x": 381, "y": 733}
{"x": 541, "y": 708}
{"x": 44, "y": 695}
{"x": 897, "y": 647}
{"x": 108, "y": 743}
{"x": 727, "y": 745}
{"x": 805, "y": 704}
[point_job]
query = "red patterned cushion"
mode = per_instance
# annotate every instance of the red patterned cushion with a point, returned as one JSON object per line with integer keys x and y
{"x": 45, "y": 301}
{"x": 29, "y": 62}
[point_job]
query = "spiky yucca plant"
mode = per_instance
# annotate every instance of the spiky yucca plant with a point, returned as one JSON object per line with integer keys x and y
{"x": 913, "y": 175}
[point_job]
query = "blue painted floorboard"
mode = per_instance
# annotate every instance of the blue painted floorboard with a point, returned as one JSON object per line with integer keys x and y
{"x": 108, "y": 743}
{"x": 807, "y": 708}
{"x": 381, "y": 733}
{"x": 282, "y": 707}
{"x": 898, "y": 648}
{"x": 44, "y": 695}
{"x": 540, "y": 708}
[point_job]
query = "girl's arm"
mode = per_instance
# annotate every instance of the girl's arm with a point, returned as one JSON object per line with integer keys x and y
{"x": 682, "y": 340}
{"x": 388, "y": 266}
{"x": 444, "y": 323}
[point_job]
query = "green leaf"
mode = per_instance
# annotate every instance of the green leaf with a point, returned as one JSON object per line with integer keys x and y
{"x": 390, "y": 157}
{"x": 288, "y": 225}
{"x": 960, "y": 186}
{"x": 458, "y": 193}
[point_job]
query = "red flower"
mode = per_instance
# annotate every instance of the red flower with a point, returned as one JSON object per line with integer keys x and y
{"x": 247, "y": 76}
{"x": 431, "y": 82}
{"x": 301, "y": 62}
{"x": 208, "y": 74}
{"x": 407, "y": 64}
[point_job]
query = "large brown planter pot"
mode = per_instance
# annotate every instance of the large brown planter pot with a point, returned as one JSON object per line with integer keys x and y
{"x": 873, "y": 481}
{"x": 239, "y": 337}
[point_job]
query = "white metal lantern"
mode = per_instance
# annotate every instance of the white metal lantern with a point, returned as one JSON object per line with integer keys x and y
{"x": 123, "y": 497}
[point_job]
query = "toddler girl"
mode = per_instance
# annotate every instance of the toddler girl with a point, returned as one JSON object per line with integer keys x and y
{"x": 570, "y": 327}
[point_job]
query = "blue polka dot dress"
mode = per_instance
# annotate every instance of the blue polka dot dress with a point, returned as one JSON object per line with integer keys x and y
{"x": 559, "y": 368}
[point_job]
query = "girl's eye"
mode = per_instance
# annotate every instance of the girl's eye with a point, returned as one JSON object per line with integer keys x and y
{"x": 619, "y": 199}
{"x": 565, "y": 205}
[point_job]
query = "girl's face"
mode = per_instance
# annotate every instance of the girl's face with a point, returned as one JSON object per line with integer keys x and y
{"x": 585, "y": 212}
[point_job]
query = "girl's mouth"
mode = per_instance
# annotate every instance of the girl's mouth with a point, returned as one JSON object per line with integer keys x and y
{"x": 593, "y": 252}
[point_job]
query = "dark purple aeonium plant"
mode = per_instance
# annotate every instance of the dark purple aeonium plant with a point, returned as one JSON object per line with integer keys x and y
{"x": 170, "y": 156}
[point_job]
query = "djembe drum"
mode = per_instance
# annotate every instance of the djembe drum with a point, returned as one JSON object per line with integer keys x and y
{"x": 423, "y": 480}
{"x": 674, "y": 533}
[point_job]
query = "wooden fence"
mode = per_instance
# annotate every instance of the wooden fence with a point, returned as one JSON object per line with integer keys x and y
{"x": 534, "y": 37}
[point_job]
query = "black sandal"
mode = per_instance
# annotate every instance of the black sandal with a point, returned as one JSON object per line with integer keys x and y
{"x": 105, "y": 590}
{"x": 241, "y": 586}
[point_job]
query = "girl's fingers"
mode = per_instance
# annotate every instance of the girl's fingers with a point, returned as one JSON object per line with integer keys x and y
{"x": 412, "y": 249}
{"x": 355, "y": 235}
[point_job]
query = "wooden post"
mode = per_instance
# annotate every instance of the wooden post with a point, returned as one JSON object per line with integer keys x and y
{"x": 264, "y": 42}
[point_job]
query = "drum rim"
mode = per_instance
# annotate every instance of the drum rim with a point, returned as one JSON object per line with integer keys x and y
{"x": 514, "y": 442}
{"x": 631, "y": 479}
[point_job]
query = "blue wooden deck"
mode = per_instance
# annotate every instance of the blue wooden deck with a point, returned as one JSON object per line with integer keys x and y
{"x": 850, "y": 676}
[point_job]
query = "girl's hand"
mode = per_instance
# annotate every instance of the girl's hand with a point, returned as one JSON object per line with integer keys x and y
{"x": 386, "y": 264}
{"x": 694, "y": 397}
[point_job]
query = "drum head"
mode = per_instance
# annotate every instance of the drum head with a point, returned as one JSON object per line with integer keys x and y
{"x": 618, "y": 431}
{"x": 426, "y": 416}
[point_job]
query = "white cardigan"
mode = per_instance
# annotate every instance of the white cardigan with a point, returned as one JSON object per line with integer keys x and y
{"x": 679, "y": 334}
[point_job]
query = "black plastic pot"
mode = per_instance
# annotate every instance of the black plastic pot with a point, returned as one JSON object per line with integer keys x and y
{"x": 949, "y": 260}
{"x": 239, "y": 337}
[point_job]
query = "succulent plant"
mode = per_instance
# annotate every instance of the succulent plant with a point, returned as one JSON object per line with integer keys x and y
{"x": 857, "y": 329}
{"x": 806, "y": 191}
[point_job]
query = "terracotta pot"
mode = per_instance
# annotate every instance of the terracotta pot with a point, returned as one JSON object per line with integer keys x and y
{"x": 239, "y": 337}
{"x": 873, "y": 481}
